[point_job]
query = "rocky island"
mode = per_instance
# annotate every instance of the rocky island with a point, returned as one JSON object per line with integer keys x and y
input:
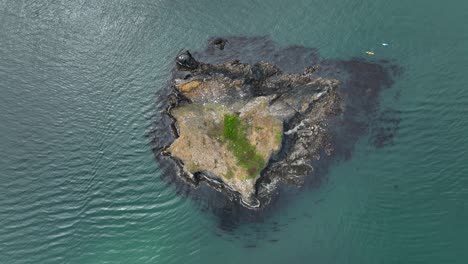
{"x": 244, "y": 121}
{"x": 233, "y": 119}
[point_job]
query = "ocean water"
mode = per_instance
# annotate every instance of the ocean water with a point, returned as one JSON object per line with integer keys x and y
{"x": 79, "y": 182}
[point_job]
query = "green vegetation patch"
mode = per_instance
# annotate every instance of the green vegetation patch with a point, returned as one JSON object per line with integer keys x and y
{"x": 235, "y": 135}
{"x": 278, "y": 137}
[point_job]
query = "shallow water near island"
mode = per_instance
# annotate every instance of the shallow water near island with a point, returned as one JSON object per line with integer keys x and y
{"x": 79, "y": 182}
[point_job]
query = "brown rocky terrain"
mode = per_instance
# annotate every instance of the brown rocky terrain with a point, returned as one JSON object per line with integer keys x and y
{"x": 229, "y": 119}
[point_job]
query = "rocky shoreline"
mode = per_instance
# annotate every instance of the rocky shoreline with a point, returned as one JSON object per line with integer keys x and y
{"x": 263, "y": 100}
{"x": 289, "y": 114}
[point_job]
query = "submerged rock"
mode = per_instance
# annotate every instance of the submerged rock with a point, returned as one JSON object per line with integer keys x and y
{"x": 243, "y": 128}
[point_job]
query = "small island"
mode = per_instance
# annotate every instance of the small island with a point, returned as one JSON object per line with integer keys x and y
{"x": 243, "y": 127}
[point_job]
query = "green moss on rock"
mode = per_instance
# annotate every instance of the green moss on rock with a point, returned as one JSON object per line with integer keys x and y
{"x": 235, "y": 135}
{"x": 278, "y": 137}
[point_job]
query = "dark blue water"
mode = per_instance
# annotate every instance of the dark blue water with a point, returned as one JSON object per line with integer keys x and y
{"x": 78, "y": 178}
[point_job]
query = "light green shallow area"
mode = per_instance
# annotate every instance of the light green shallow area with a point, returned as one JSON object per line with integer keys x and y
{"x": 79, "y": 182}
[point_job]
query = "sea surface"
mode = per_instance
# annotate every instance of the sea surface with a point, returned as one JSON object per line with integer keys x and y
{"x": 79, "y": 182}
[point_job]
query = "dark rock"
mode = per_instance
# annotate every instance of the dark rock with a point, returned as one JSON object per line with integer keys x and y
{"x": 219, "y": 43}
{"x": 185, "y": 60}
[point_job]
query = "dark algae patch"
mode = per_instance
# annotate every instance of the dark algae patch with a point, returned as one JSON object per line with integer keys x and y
{"x": 234, "y": 132}
{"x": 319, "y": 108}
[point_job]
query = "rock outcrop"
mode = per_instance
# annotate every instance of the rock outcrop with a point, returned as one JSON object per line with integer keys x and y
{"x": 237, "y": 123}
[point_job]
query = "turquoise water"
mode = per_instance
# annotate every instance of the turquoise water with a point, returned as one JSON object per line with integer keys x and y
{"x": 79, "y": 182}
